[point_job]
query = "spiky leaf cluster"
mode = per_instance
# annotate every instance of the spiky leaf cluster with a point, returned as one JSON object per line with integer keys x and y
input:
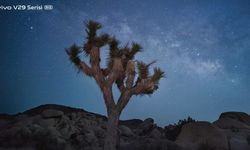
{"x": 92, "y": 27}
{"x": 143, "y": 70}
{"x": 151, "y": 82}
{"x": 125, "y": 53}
{"x": 113, "y": 44}
{"x": 92, "y": 38}
{"x": 73, "y": 52}
{"x": 103, "y": 39}
{"x": 158, "y": 74}
{"x": 134, "y": 50}
{"x": 155, "y": 78}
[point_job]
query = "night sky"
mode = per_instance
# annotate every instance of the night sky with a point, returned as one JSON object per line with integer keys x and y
{"x": 203, "y": 46}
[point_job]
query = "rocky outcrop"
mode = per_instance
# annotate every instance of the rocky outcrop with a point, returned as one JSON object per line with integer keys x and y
{"x": 236, "y": 125}
{"x": 229, "y": 132}
{"x": 51, "y": 113}
{"x": 144, "y": 143}
{"x": 56, "y": 127}
{"x": 59, "y": 127}
{"x": 233, "y": 120}
{"x": 238, "y": 116}
{"x": 195, "y": 135}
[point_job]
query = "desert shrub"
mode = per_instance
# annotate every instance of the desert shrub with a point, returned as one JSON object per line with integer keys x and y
{"x": 173, "y": 130}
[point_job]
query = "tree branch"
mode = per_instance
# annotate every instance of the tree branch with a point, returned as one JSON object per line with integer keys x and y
{"x": 108, "y": 98}
{"x": 145, "y": 86}
{"x": 85, "y": 68}
{"x": 130, "y": 72}
{"x": 123, "y": 100}
{"x": 100, "y": 78}
{"x": 116, "y": 71}
{"x": 120, "y": 84}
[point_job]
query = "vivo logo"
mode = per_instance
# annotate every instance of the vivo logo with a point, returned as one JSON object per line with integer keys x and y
{"x": 5, "y": 7}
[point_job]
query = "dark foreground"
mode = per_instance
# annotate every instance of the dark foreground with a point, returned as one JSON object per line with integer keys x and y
{"x": 55, "y": 127}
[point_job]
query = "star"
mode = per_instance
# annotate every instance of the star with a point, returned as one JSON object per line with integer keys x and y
{"x": 232, "y": 81}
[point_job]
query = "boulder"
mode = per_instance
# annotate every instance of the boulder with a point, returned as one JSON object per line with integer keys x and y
{"x": 239, "y": 116}
{"x": 248, "y": 140}
{"x": 59, "y": 127}
{"x": 125, "y": 131}
{"x": 99, "y": 132}
{"x": 150, "y": 144}
{"x": 229, "y": 123}
{"x": 145, "y": 127}
{"x": 16, "y": 136}
{"x": 51, "y": 113}
{"x": 155, "y": 133}
{"x": 132, "y": 123}
{"x": 3, "y": 123}
{"x": 236, "y": 126}
{"x": 201, "y": 135}
{"x": 50, "y": 122}
{"x": 52, "y": 140}
{"x": 239, "y": 143}
{"x": 148, "y": 121}
{"x": 90, "y": 137}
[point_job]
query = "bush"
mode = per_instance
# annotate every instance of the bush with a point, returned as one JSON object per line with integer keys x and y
{"x": 172, "y": 131}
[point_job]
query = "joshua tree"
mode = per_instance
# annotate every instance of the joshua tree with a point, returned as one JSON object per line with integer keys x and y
{"x": 121, "y": 70}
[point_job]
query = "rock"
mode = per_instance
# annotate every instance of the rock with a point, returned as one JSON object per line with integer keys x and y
{"x": 132, "y": 123}
{"x": 58, "y": 127}
{"x": 90, "y": 138}
{"x": 15, "y": 136}
{"x": 155, "y": 133}
{"x": 21, "y": 117}
{"x": 148, "y": 121}
{"x": 248, "y": 140}
{"x": 150, "y": 144}
{"x": 202, "y": 134}
{"x": 37, "y": 130}
{"x": 145, "y": 127}
{"x": 54, "y": 140}
{"x": 3, "y": 123}
{"x": 50, "y": 113}
{"x": 99, "y": 132}
{"x": 229, "y": 123}
{"x": 93, "y": 148}
{"x": 239, "y": 144}
{"x": 47, "y": 122}
{"x": 236, "y": 126}
{"x": 239, "y": 116}
{"x": 125, "y": 131}
{"x": 20, "y": 148}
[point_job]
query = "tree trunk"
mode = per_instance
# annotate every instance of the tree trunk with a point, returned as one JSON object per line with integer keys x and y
{"x": 112, "y": 139}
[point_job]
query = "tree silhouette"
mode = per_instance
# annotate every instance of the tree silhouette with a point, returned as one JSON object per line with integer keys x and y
{"x": 120, "y": 70}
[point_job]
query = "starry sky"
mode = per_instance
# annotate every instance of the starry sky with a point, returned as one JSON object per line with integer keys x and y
{"x": 203, "y": 46}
